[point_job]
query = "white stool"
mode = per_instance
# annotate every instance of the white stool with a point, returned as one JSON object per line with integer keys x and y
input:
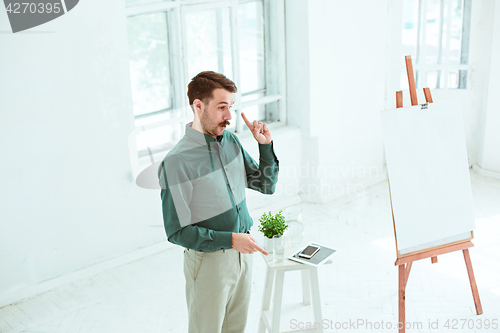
{"x": 275, "y": 275}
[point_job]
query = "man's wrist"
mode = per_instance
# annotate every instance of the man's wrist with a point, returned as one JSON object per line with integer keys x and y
{"x": 223, "y": 240}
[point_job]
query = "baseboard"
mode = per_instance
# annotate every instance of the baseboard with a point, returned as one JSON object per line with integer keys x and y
{"x": 83, "y": 273}
{"x": 485, "y": 173}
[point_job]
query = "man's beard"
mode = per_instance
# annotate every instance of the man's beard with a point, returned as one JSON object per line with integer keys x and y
{"x": 209, "y": 128}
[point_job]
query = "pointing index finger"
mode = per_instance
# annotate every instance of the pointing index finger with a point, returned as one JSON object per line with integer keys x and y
{"x": 258, "y": 248}
{"x": 249, "y": 124}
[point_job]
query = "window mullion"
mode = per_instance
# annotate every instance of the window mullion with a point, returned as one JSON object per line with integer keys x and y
{"x": 183, "y": 42}
{"x": 440, "y": 42}
{"x": 150, "y": 8}
{"x": 207, "y": 5}
{"x": 419, "y": 32}
{"x": 235, "y": 55}
{"x": 273, "y": 47}
{"x": 220, "y": 41}
{"x": 262, "y": 101}
{"x": 268, "y": 51}
{"x": 422, "y": 81}
{"x": 281, "y": 56}
{"x": 172, "y": 92}
{"x": 464, "y": 50}
{"x": 446, "y": 67}
{"x": 178, "y": 57}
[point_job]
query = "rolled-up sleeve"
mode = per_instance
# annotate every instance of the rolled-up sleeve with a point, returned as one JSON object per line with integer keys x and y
{"x": 262, "y": 177}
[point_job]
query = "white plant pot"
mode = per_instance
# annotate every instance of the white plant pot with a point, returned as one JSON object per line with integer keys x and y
{"x": 268, "y": 244}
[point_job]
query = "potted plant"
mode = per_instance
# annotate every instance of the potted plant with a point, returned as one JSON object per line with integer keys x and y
{"x": 270, "y": 226}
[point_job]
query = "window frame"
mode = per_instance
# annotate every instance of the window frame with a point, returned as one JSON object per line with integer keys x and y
{"x": 274, "y": 46}
{"x": 445, "y": 67}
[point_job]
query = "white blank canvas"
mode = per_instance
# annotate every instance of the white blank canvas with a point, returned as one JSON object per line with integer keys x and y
{"x": 428, "y": 173}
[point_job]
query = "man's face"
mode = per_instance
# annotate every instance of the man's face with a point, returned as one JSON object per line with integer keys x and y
{"x": 216, "y": 115}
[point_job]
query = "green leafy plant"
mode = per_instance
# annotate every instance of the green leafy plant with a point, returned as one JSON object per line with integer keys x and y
{"x": 272, "y": 225}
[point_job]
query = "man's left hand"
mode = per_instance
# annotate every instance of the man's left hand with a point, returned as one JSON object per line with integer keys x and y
{"x": 260, "y": 131}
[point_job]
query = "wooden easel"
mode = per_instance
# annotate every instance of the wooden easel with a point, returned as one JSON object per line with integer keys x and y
{"x": 404, "y": 262}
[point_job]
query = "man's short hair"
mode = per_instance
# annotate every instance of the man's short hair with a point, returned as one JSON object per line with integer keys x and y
{"x": 202, "y": 86}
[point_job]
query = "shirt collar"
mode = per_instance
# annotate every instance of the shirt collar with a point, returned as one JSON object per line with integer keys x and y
{"x": 199, "y": 137}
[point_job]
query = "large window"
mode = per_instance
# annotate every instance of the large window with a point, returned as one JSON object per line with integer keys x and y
{"x": 436, "y": 34}
{"x": 172, "y": 41}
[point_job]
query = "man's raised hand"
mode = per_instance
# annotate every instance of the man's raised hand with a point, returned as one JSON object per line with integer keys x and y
{"x": 260, "y": 131}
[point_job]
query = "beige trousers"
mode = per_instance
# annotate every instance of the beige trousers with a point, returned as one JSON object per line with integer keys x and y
{"x": 217, "y": 290}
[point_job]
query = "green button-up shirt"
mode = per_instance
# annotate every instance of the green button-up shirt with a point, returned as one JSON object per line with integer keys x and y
{"x": 203, "y": 182}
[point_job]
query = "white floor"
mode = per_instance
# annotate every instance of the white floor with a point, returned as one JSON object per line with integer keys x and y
{"x": 359, "y": 290}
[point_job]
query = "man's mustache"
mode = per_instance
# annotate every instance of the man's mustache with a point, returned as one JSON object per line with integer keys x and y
{"x": 225, "y": 123}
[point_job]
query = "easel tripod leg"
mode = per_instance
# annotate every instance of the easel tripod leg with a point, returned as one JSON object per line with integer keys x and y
{"x": 401, "y": 298}
{"x": 475, "y": 294}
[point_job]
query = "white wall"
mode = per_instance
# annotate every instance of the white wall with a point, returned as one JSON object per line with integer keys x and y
{"x": 490, "y": 153}
{"x": 474, "y": 99}
{"x": 299, "y": 91}
{"x": 343, "y": 67}
{"x": 67, "y": 198}
{"x": 348, "y": 90}
{"x": 337, "y": 67}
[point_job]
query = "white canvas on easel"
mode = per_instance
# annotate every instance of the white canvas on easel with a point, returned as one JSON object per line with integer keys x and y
{"x": 431, "y": 197}
{"x": 428, "y": 175}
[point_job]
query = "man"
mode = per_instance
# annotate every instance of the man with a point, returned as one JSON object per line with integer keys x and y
{"x": 203, "y": 180}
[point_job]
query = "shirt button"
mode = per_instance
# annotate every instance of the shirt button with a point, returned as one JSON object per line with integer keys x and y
{"x": 239, "y": 209}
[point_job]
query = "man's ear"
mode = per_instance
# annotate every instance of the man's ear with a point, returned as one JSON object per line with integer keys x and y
{"x": 198, "y": 106}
